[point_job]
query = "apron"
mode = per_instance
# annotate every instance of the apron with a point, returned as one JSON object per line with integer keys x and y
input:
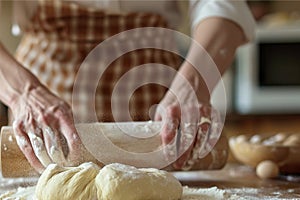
{"x": 62, "y": 34}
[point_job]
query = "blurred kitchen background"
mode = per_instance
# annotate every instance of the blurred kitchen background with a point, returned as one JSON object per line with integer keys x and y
{"x": 245, "y": 83}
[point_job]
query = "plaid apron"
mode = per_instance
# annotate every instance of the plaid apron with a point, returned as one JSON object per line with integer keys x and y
{"x": 63, "y": 33}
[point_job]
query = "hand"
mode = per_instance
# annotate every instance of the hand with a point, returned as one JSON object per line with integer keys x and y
{"x": 191, "y": 127}
{"x": 44, "y": 129}
{"x": 190, "y": 131}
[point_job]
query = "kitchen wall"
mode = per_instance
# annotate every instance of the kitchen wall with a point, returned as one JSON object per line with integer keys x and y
{"x": 6, "y": 37}
{"x": 285, "y": 5}
{"x": 8, "y": 40}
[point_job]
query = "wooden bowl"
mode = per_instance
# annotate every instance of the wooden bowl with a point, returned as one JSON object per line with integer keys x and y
{"x": 251, "y": 150}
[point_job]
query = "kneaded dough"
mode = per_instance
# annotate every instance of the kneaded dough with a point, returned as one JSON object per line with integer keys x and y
{"x": 119, "y": 182}
{"x": 112, "y": 182}
{"x": 66, "y": 183}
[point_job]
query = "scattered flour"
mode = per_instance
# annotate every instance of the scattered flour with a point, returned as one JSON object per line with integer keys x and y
{"x": 212, "y": 193}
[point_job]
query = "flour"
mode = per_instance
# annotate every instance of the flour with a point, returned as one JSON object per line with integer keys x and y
{"x": 212, "y": 193}
{"x": 19, "y": 194}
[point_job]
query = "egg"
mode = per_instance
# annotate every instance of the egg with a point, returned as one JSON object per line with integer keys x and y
{"x": 267, "y": 169}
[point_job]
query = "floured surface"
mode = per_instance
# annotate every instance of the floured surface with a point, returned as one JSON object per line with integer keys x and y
{"x": 188, "y": 194}
{"x": 204, "y": 193}
{"x": 212, "y": 193}
{"x": 19, "y": 194}
{"x": 232, "y": 182}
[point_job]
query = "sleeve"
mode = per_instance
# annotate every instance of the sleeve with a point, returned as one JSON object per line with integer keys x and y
{"x": 235, "y": 10}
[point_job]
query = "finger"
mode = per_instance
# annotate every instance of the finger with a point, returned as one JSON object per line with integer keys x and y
{"x": 68, "y": 130}
{"x": 183, "y": 159}
{"x": 187, "y": 142}
{"x": 25, "y": 146}
{"x": 70, "y": 140}
{"x": 157, "y": 117}
{"x": 203, "y": 136}
{"x": 159, "y": 112}
{"x": 169, "y": 131}
{"x": 53, "y": 145}
{"x": 213, "y": 133}
{"x": 201, "y": 131}
{"x": 39, "y": 148}
{"x": 36, "y": 138}
{"x": 198, "y": 150}
{"x": 171, "y": 124}
{"x": 53, "y": 138}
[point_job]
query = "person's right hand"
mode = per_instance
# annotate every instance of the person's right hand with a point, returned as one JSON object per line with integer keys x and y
{"x": 44, "y": 129}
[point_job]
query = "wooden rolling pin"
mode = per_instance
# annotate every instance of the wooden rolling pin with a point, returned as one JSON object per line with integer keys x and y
{"x": 14, "y": 164}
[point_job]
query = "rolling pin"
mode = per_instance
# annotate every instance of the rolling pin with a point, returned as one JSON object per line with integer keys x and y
{"x": 14, "y": 164}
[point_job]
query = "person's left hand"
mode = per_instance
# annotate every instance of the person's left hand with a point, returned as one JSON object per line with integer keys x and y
{"x": 190, "y": 128}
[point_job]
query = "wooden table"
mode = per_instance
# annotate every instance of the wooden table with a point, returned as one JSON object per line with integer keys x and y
{"x": 234, "y": 179}
{"x": 241, "y": 180}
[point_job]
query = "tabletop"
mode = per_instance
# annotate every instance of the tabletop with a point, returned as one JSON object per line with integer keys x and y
{"x": 241, "y": 180}
{"x": 234, "y": 179}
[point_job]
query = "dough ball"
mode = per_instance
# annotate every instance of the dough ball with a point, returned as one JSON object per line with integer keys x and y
{"x": 113, "y": 182}
{"x": 66, "y": 183}
{"x": 292, "y": 140}
{"x": 267, "y": 169}
{"x": 119, "y": 182}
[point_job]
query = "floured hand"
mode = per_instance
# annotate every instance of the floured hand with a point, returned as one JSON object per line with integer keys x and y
{"x": 44, "y": 129}
{"x": 189, "y": 117}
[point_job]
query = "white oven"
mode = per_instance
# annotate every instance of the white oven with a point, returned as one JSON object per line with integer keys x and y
{"x": 268, "y": 72}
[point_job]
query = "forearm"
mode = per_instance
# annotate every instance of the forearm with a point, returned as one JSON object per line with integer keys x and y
{"x": 188, "y": 99}
{"x": 220, "y": 38}
{"x": 15, "y": 80}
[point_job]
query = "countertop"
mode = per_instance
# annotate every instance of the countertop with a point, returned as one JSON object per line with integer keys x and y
{"x": 241, "y": 180}
{"x": 234, "y": 179}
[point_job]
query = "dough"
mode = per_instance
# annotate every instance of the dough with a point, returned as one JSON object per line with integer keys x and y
{"x": 66, "y": 183}
{"x": 112, "y": 182}
{"x": 120, "y": 182}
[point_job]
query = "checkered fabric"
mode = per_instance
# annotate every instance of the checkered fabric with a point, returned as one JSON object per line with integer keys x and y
{"x": 63, "y": 33}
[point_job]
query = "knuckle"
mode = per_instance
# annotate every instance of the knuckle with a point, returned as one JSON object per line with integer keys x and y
{"x": 167, "y": 136}
{"x": 64, "y": 105}
{"x": 43, "y": 118}
{"x": 23, "y": 143}
{"x": 172, "y": 111}
{"x": 17, "y": 124}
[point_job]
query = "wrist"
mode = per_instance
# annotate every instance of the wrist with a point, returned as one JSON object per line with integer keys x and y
{"x": 15, "y": 80}
{"x": 211, "y": 53}
{"x": 198, "y": 84}
{"x": 20, "y": 87}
